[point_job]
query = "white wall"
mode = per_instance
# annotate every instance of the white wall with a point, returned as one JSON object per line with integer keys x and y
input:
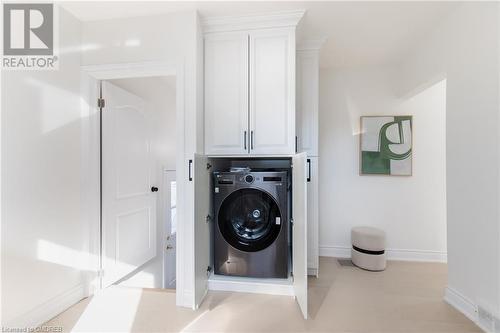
{"x": 44, "y": 240}
{"x": 412, "y": 210}
{"x": 464, "y": 48}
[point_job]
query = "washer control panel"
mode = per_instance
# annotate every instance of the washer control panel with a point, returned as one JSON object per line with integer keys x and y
{"x": 233, "y": 179}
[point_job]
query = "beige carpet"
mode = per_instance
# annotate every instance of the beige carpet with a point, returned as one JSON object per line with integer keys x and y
{"x": 407, "y": 297}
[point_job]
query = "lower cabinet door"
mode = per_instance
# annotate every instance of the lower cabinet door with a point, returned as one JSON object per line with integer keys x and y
{"x": 299, "y": 231}
{"x": 312, "y": 216}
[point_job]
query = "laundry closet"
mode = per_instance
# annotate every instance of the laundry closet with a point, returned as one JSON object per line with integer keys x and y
{"x": 255, "y": 186}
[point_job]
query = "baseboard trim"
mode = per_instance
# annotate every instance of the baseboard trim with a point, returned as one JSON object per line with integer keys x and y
{"x": 312, "y": 271}
{"x": 484, "y": 319}
{"x": 188, "y": 300}
{"x": 392, "y": 254}
{"x": 48, "y": 310}
{"x": 250, "y": 285}
{"x": 461, "y": 303}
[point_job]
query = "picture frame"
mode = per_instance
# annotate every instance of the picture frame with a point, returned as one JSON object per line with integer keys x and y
{"x": 386, "y": 145}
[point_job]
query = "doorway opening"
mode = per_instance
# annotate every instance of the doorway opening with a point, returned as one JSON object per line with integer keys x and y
{"x": 138, "y": 182}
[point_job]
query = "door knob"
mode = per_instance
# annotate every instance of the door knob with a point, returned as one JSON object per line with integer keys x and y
{"x": 169, "y": 247}
{"x": 154, "y": 189}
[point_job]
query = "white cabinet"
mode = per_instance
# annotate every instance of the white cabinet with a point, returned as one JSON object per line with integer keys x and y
{"x": 307, "y": 101}
{"x": 272, "y": 91}
{"x": 312, "y": 216}
{"x": 199, "y": 179}
{"x": 226, "y": 93}
{"x": 250, "y": 92}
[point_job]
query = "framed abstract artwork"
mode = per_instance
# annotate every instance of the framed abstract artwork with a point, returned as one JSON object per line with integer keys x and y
{"x": 386, "y": 144}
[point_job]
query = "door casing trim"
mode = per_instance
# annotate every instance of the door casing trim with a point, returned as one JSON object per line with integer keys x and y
{"x": 90, "y": 160}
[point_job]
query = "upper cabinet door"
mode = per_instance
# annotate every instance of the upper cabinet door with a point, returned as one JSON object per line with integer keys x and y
{"x": 307, "y": 101}
{"x": 272, "y": 91}
{"x": 226, "y": 94}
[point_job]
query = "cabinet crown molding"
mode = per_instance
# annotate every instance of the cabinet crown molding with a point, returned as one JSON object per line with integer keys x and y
{"x": 280, "y": 19}
{"x": 311, "y": 44}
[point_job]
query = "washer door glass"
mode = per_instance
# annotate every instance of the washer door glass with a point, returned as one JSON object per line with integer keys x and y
{"x": 249, "y": 220}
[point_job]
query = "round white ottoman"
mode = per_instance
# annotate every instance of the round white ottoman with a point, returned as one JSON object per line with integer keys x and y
{"x": 368, "y": 248}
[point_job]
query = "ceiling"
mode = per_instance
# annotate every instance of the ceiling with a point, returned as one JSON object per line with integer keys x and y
{"x": 358, "y": 33}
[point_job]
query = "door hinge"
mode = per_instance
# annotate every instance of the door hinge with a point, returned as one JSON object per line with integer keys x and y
{"x": 209, "y": 270}
{"x": 101, "y": 103}
{"x": 291, "y": 222}
{"x": 209, "y": 166}
{"x": 100, "y": 273}
{"x": 208, "y": 218}
{"x": 291, "y": 275}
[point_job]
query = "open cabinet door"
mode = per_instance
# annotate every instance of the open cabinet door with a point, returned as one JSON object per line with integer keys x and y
{"x": 299, "y": 232}
{"x": 201, "y": 178}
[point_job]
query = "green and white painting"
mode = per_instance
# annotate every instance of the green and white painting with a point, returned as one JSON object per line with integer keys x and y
{"x": 386, "y": 145}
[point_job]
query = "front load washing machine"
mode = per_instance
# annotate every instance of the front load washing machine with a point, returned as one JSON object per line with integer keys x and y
{"x": 251, "y": 228}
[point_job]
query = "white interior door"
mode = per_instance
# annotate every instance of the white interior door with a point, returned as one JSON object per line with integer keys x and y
{"x": 128, "y": 203}
{"x": 299, "y": 232}
{"x": 170, "y": 226}
{"x": 201, "y": 179}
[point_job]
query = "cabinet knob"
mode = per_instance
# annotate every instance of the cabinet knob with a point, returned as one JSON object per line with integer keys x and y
{"x": 154, "y": 189}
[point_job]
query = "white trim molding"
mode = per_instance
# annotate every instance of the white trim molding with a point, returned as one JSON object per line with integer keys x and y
{"x": 249, "y": 22}
{"x": 312, "y": 272}
{"x": 251, "y": 285}
{"x": 130, "y": 70}
{"x": 461, "y": 303}
{"x": 391, "y": 254}
{"x": 484, "y": 318}
{"x": 90, "y": 159}
{"x": 45, "y": 311}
